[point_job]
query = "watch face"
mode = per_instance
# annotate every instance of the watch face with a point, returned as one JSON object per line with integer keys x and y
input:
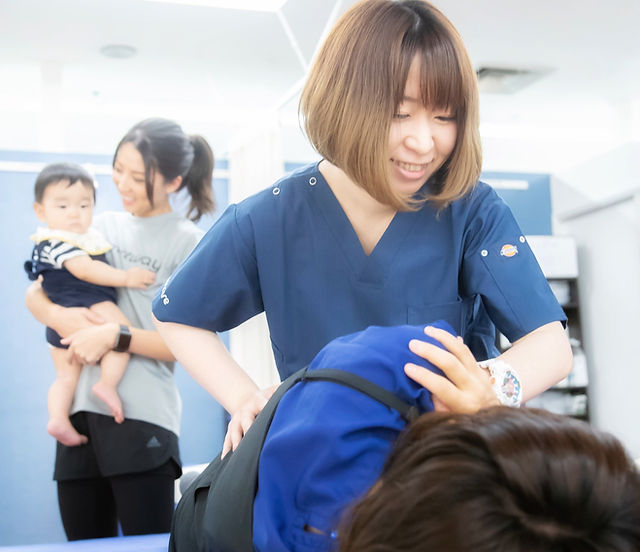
{"x": 506, "y": 383}
{"x": 124, "y": 339}
{"x": 511, "y": 386}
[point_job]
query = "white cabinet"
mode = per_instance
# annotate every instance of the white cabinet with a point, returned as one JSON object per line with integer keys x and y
{"x": 557, "y": 256}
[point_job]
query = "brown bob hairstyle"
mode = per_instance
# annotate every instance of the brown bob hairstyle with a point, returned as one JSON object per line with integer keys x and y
{"x": 512, "y": 480}
{"x": 358, "y": 80}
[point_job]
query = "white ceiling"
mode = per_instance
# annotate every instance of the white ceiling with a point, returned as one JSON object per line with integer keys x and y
{"x": 217, "y": 71}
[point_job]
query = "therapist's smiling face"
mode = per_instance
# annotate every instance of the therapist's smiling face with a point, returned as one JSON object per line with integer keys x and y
{"x": 421, "y": 138}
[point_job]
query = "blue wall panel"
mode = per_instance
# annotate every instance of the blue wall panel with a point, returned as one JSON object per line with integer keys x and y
{"x": 529, "y": 199}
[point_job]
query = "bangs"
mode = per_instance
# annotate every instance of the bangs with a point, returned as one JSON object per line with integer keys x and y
{"x": 441, "y": 79}
{"x": 358, "y": 81}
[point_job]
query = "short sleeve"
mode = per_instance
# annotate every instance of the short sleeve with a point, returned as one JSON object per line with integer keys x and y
{"x": 217, "y": 286}
{"x": 500, "y": 266}
{"x": 57, "y": 252}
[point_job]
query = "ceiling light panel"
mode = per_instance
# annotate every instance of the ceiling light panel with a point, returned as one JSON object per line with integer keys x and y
{"x": 246, "y": 5}
{"x": 507, "y": 80}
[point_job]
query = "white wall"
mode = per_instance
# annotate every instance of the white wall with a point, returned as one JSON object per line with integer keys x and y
{"x": 609, "y": 259}
{"x": 255, "y": 162}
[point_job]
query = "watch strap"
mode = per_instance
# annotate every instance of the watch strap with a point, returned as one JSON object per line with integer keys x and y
{"x": 123, "y": 340}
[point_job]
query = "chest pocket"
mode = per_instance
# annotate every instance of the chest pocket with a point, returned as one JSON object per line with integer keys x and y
{"x": 468, "y": 318}
{"x": 458, "y": 313}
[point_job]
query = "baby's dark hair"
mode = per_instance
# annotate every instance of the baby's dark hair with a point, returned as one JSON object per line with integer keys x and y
{"x": 165, "y": 148}
{"x": 517, "y": 480}
{"x": 62, "y": 172}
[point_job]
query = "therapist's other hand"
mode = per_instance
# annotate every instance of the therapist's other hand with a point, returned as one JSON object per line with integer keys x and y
{"x": 243, "y": 417}
{"x": 72, "y": 319}
{"x": 466, "y": 388}
{"x": 89, "y": 345}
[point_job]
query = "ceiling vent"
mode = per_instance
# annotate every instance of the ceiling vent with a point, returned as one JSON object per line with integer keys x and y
{"x": 504, "y": 80}
{"x": 118, "y": 51}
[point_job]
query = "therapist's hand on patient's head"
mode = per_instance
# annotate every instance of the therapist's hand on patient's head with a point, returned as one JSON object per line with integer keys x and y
{"x": 243, "y": 417}
{"x": 466, "y": 388}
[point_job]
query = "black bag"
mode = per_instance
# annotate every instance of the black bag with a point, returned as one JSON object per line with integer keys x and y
{"x": 215, "y": 514}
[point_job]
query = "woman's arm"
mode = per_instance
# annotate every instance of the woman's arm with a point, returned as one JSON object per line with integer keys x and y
{"x": 541, "y": 358}
{"x": 207, "y": 360}
{"x": 64, "y": 320}
{"x": 89, "y": 345}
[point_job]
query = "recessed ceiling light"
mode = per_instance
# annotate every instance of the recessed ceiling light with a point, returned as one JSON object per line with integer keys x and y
{"x": 247, "y": 5}
{"x": 118, "y": 51}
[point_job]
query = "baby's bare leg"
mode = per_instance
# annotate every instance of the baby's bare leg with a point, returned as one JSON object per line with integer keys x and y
{"x": 60, "y": 398}
{"x": 113, "y": 365}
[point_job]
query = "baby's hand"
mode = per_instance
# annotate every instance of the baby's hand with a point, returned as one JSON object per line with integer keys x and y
{"x": 140, "y": 278}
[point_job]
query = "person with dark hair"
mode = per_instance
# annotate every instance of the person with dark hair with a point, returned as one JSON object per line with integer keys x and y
{"x": 69, "y": 255}
{"x": 522, "y": 480}
{"x": 391, "y": 227}
{"x": 126, "y": 472}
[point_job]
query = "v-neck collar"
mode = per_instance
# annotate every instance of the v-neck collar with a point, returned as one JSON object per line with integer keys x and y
{"x": 373, "y": 268}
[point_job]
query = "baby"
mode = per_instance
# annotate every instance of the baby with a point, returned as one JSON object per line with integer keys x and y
{"x": 69, "y": 256}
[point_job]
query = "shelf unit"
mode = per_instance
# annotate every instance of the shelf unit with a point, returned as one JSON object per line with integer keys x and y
{"x": 557, "y": 256}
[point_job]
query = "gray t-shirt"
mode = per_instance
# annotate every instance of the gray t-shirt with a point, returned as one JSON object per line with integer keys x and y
{"x": 160, "y": 243}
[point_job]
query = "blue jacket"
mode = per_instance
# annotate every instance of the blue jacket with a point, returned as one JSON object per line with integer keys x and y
{"x": 327, "y": 443}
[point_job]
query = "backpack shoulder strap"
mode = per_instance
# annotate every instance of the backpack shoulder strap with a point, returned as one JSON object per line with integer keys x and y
{"x": 228, "y": 517}
{"x": 406, "y": 410}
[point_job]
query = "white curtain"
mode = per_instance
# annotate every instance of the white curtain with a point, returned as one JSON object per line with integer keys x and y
{"x": 255, "y": 162}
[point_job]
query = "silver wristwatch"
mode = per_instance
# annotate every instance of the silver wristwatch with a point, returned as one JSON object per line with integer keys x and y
{"x": 504, "y": 381}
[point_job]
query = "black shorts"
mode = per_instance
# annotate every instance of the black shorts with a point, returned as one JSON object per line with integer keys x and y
{"x": 115, "y": 449}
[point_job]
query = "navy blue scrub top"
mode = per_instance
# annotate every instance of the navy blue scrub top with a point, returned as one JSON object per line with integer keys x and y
{"x": 291, "y": 251}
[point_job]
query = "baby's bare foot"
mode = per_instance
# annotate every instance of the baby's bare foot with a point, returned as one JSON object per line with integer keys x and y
{"x": 65, "y": 433}
{"x": 110, "y": 397}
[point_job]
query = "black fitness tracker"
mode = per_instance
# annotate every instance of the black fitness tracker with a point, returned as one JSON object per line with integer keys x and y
{"x": 123, "y": 340}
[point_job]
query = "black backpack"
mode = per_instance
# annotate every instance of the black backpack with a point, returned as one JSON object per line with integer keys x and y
{"x": 215, "y": 513}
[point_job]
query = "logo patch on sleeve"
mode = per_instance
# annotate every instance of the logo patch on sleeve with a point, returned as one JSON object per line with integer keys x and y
{"x": 163, "y": 294}
{"x": 508, "y": 250}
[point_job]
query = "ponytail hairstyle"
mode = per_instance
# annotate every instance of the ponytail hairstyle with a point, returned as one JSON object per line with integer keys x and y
{"x": 521, "y": 480}
{"x": 165, "y": 148}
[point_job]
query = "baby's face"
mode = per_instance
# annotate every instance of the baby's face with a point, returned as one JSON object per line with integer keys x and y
{"x": 66, "y": 207}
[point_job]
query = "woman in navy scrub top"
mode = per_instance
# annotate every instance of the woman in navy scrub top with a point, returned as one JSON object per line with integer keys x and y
{"x": 391, "y": 227}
